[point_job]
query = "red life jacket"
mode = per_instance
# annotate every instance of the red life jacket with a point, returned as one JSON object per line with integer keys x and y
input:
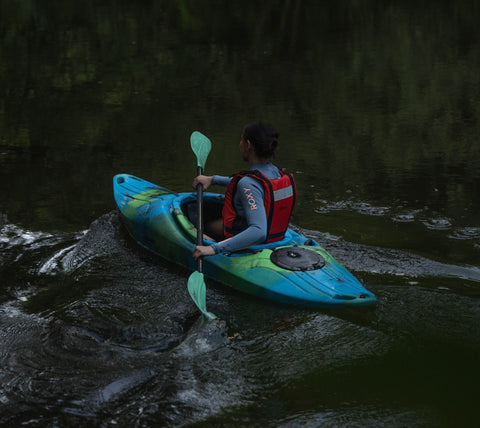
{"x": 279, "y": 199}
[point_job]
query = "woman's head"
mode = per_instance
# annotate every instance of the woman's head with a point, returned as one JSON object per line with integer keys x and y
{"x": 263, "y": 138}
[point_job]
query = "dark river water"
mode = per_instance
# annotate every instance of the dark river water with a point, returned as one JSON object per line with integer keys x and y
{"x": 378, "y": 107}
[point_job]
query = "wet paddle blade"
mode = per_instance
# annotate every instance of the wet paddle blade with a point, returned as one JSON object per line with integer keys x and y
{"x": 197, "y": 290}
{"x": 201, "y": 146}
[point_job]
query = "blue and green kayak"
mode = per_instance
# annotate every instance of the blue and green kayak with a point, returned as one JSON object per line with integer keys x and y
{"x": 295, "y": 270}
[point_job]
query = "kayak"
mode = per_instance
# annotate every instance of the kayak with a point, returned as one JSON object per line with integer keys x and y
{"x": 295, "y": 270}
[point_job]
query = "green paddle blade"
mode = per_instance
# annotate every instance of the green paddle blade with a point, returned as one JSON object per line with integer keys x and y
{"x": 198, "y": 291}
{"x": 201, "y": 146}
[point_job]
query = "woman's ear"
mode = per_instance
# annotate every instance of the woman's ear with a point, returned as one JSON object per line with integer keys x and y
{"x": 249, "y": 145}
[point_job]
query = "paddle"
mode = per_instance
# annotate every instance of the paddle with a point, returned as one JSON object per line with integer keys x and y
{"x": 201, "y": 146}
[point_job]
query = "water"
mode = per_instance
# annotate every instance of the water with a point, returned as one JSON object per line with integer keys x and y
{"x": 377, "y": 107}
{"x": 86, "y": 338}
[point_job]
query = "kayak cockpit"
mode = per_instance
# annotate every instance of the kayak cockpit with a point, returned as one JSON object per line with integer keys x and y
{"x": 184, "y": 209}
{"x": 212, "y": 209}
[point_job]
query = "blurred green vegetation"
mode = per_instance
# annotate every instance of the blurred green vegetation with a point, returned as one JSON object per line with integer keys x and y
{"x": 379, "y": 99}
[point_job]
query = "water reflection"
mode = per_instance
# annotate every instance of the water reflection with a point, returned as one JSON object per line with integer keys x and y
{"x": 378, "y": 100}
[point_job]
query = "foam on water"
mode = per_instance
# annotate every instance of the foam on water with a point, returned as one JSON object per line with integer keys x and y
{"x": 12, "y": 236}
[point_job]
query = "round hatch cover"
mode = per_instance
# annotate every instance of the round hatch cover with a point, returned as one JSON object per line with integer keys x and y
{"x": 294, "y": 258}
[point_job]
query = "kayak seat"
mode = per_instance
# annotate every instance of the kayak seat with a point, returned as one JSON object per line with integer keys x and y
{"x": 212, "y": 210}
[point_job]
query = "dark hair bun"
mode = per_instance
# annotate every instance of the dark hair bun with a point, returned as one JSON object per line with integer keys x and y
{"x": 264, "y": 138}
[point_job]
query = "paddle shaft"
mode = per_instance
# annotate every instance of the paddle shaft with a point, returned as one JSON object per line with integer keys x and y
{"x": 200, "y": 218}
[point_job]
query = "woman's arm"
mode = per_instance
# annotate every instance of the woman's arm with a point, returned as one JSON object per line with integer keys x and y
{"x": 208, "y": 180}
{"x": 250, "y": 195}
{"x": 221, "y": 180}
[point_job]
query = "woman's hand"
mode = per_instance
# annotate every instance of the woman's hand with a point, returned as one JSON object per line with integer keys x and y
{"x": 206, "y": 180}
{"x": 202, "y": 251}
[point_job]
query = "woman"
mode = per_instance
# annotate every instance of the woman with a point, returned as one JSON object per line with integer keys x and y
{"x": 258, "y": 202}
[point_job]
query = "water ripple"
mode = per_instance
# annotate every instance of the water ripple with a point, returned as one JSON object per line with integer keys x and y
{"x": 105, "y": 334}
{"x": 430, "y": 220}
{"x": 377, "y": 260}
